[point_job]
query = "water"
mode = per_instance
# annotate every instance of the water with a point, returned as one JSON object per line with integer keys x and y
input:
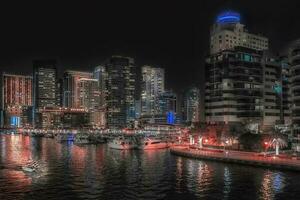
{"x": 67, "y": 171}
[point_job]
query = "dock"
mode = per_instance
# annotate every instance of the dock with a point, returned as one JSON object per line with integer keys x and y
{"x": 245, "y": 158}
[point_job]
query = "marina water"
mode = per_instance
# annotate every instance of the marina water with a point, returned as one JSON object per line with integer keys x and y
{"x": 68, "y": 171}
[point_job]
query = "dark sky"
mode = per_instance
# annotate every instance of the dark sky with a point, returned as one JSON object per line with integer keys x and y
{"x": 169, "y": 34}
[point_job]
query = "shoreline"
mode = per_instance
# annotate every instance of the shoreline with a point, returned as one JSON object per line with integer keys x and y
{"x": 238, "y": 158}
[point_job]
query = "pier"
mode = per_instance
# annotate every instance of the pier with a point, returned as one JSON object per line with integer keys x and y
{"x": 246, "y": 158}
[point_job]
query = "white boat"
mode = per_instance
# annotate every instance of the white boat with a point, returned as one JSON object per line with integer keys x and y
{"x": 122, "y": 143}
{"x": 28, "y": 169}
{"x": 153, "y": 143}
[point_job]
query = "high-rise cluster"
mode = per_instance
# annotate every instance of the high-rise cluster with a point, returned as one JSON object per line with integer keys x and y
{"x": 246, "y": 84}
{"x": 106, "y": 97}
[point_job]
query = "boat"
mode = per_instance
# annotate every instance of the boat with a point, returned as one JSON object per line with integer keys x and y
{"x": 82, "y": 139}
{"x": 28, "y": 169}
{"x": 122, "y": 143}
{"x": 153, "y": 143}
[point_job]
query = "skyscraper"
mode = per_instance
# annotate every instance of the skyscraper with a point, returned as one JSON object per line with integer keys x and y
{"x": 234, "y": 86}
{"x": 72, "y": 90}
{"x": 44, "y": 88}
{"x": 120, "y": 87}
{"x": 191, "y": 105}
{"x": 101, "y": 76}
{"x": 82, "y": 91}
{"x": 167, "y": 102}
{"x": 235, "y": 75}
{"x": 228, "y": 32}
{"x": 16, "y": 96}
{"x": 153, "y": 85}
{"x": 294, "y": 58}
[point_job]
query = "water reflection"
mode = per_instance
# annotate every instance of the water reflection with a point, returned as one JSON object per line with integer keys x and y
{"x": 97, "y": 172}
{"x": 272, "y": 184}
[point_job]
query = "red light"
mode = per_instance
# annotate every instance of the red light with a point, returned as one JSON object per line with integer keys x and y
{"x": 206, "y": 140}
{"x": 266, "y": 143}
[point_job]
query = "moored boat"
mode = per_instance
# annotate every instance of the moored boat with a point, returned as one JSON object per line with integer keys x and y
{"x": 122, "y": 143}
{"x": 153, "y": 143}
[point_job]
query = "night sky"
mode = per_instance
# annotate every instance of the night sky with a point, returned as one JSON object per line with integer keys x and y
{"x": 172, "y": 35}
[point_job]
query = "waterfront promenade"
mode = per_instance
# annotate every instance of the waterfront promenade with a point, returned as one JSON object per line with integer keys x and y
{"x": 239, "y": 157}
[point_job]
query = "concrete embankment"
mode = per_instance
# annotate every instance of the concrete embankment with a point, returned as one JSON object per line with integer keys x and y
{"x": 239, "y": 158}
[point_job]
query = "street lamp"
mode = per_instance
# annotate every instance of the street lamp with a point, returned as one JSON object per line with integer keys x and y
{"x": 226, "y": 142}
{"x": 266, "y": 147}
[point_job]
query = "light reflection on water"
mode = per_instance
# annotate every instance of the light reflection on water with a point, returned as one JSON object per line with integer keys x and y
{"x": 67, "y": 171}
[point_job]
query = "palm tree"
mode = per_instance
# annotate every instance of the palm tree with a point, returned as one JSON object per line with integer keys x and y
{"x": 277, "y": 142}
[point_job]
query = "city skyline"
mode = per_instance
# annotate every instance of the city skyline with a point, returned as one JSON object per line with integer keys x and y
{"x": 173, "y": 37}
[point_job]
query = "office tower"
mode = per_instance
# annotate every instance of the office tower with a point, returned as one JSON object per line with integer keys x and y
{"x": 228, "y": 32}
{"x": 153, "y": 85}
{"x": 73, "y": 92}
{"x": 294, "y": 59}
{"x": 120, "y": 87}
{"x": 167, "y": 107}
{"x": 191, "y": 105}
{"x": 101, "y": 76}
{"x": 59, "y": 92}
{"x": 82, "y": 91}
{"x": 16, "y": 96}
{"x": 44, "y": 89}
{"x": 234, "y": 86}
{"x": 236, "y": 76}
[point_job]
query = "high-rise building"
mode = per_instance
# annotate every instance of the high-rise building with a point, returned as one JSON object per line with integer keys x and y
{"x": 167, "y": 107}
{"x": 44, "y": 89}
{"x": 294, "y": 58}
{"x": 16, "y": 96}
{"x": 72, "y": 88}
{"x": 153, "y": 85}
{"x": 82, "y": 91}
{"x": 101, "y": 76}
{"x": 191, "y": 105}
{"x": 277, "y": 102}
{"x": 120, "y": 87}
{"x": 234, "y": 86}
{"x": 239, "y": 76}
{"x": 228, "y": 32}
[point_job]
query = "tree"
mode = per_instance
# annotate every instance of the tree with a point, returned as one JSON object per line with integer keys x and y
{"x": 276, "y": 141}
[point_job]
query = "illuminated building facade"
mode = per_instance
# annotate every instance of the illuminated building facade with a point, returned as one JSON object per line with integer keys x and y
{"x": 191, "y": 105}
{"x": 44, "y": 89}
{"x": 120, "y": 87}
{"x": 294, "y": 59}
{"x": 82, "y": 91}
{"x": 228, "y": 32}
{"x": 73, "y": 92}
{"x": 277, "y": 99}
{"x": 16, "y": 96}
{"x": 234, "y": 86}
{"x": 153, "y": 85}
{"x": 101, "y": 76}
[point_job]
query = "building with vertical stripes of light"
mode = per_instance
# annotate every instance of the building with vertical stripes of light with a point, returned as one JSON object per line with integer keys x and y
{"x": 120, "y": 88}
{"x": 44, "y": 90}
{"x": 153, "y": 85}
{"x": 16, "y": 98}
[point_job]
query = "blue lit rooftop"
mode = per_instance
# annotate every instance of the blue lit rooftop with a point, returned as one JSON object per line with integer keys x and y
{"x": 228, "y": 17}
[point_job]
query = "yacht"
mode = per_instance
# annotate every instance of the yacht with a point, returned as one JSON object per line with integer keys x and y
{"x": 153, "y": 143}
{"x": 122, "y": 143}
{"x": 82, "y": 139}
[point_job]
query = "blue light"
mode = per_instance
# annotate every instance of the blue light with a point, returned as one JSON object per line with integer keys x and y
{"x": 229, "y": 17}
{"x": 171, "y": 117}
{"x": 277, "y": 88}
{"x": 15, "y": 121}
